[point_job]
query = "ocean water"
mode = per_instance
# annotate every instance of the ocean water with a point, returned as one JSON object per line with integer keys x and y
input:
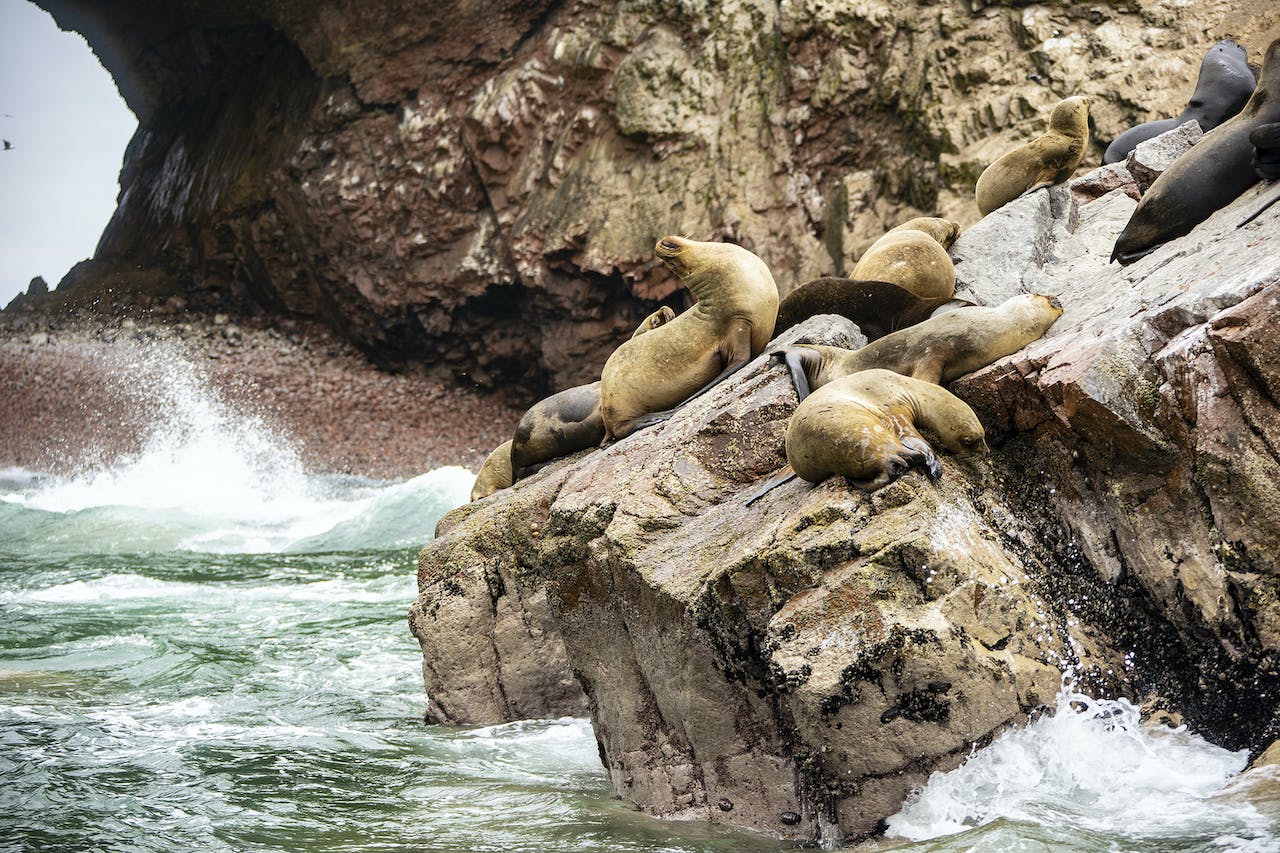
{"x": 205, "y": 647}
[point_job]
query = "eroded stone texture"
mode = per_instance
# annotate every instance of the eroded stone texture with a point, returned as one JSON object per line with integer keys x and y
{"x": 478, "y": 186}
{"x": 809, "y": 659}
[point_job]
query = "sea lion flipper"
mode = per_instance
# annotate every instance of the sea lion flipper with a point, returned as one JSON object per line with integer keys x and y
{"x": 1257, "y": 212}
{"x": 929, "y": 368}
{"x": 920, "y": 452}
{"x": 785, "y": 475}
{"x": 800, "y": 360}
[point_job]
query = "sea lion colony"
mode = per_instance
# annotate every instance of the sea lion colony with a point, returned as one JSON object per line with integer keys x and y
{"x": 867, "y": 406}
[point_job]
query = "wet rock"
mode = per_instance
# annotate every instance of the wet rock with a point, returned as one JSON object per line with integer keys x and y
{"x": 812, "y": 657}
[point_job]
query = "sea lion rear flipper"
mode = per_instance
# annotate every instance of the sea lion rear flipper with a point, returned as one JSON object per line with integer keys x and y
{"x": 787, "y": 474}
{"x": 1257, "y": 212}
{"x": 799, "y": 361}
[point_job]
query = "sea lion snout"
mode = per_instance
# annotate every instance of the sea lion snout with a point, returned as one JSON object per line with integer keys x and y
{"x": 668, "y": 247}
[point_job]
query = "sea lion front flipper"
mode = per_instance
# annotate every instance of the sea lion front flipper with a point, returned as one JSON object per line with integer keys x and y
{"x": 665, "y": 415}
{"x": 1275, "y": 198}
{"x": 920, "y": 452}
{"x": 929, "y": 368}
{"x": 786, "y": 475}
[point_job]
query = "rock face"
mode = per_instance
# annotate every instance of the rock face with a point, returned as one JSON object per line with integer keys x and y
{"x": 479, "y": 185}
{"x": 798, "y": 665}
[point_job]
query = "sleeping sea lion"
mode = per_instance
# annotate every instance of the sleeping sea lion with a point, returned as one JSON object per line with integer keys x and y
{"x": 495, "y": 473}
{"x": 1224, "y": 84}
{"x": 878, "y": 307}
{"x": 1205, "y": 179}
{"x": 937, "y": 350}
{"x": 1044, "y": 161}
{"x": 863, "y": 427}
{"x": 913, "y": 255}
{"x": 567, "y": 421}
{"x": 731, "y": 322}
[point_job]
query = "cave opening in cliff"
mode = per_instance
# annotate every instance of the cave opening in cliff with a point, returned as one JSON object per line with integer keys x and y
{"x": 65, "y": 128}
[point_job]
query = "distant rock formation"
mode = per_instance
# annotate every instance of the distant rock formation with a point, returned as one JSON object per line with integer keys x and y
{"x": 479, "y": 186}
{"x": 797, "y": 666}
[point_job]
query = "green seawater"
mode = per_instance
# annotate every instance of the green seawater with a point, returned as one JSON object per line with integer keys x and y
{"x": 188, "y": 701}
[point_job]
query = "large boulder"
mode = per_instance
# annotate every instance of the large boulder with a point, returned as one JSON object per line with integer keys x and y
{"x": 796, "y": 666}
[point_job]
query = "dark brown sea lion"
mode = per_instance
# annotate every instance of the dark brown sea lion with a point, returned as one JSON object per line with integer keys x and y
{"x": 913, "y": 255}
{"x": 495, "y": 473}
{"x": 1224, "y": 84}
{"x": 878, "y": 307}
{"x": 568, "y": 421}
{"x": 1044, "y": 161}
{"x": 937, "y": 350}
{"x": 1205, "y": 179}
{"x": 731, "y": 322}
{"x": 864, "y": 427}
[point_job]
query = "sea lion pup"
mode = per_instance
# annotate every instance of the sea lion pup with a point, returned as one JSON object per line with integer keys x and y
{"x": 1044, "y": 161}
{"x": 731, "y": 322}
{"x": 568, "y": 421}
{"x": 1224, "y": 84}
{"x": 913, "y": 255}
{"x": 1206, "y": 178}
{"x": 863, "y": 427}
{"x": 878, "y": 307}
{"x": 495, "y": 473}
{"x": 937, "y": 350}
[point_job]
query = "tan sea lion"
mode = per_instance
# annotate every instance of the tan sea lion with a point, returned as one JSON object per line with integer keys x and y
{"x": 878, "y": 307}
{"x": 1206, "y": 178}
{"x": 863, "y": 427}
{"x": 913, "y": 255}
{"x": 937, "y": 350}
{"x": 1044, "y": 161}
{"x": 732, "y": 321}
{"x": 567, "y": 421}
{"x": 495, "y": 473}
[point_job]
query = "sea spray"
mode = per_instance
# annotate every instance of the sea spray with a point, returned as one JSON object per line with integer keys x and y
{"x": 1092, "y": 768}
{"x": 214, "y": 478}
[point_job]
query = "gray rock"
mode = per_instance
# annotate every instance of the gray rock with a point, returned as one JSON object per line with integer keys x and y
{"x": 1147, "y": 161}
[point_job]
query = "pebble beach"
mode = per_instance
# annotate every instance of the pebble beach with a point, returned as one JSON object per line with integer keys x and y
{"x": 73, "y": 397}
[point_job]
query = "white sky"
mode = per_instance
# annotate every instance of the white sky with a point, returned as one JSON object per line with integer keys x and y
{"x": 69, "y": 127}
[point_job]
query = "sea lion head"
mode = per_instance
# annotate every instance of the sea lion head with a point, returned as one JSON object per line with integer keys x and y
{"x": 962, "y": 434}
{"x": 943, "y": 230}
{"x": 1070, "y": 116}
{"x": 686, "y": 257}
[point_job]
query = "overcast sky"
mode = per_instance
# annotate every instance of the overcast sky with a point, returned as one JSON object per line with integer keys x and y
{"x": 68, "y": 126}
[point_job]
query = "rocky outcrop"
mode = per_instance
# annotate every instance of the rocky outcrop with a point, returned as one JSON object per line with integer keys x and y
{"x": 798, "y": 665}
{"x": 479, "y": 185}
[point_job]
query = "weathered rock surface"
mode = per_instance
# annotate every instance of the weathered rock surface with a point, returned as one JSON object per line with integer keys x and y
{"x": 479, "y": 185}
{"x": 797, "y": 666}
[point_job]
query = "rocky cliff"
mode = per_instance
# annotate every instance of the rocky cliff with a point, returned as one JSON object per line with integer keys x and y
{"x": 796, "y": 666}
{"x": 478, "y": 185}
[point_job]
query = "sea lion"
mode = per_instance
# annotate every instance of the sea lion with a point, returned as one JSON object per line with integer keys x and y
{"x": 863, "y": 427}
{"x": 731, "y": 322}
{"x": 1224, "y": 84}
{"x": 878, "y": 307}
{"x": 937, "y": 350}
{"x": 1205, "y": 179}
{"x": 495, "y": 473}
{"x": 913, "y": 255}
{"x": 1046, "y": 160}
{"x": 567, "y": 421}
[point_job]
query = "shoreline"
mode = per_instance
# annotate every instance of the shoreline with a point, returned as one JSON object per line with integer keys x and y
{"x": 80, "y": 392}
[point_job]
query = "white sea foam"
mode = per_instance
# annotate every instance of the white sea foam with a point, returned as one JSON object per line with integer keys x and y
{"x": 1090, "y": 765}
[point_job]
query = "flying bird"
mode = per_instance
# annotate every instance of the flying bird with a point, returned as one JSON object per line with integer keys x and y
{"x": 8, "y": 146}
